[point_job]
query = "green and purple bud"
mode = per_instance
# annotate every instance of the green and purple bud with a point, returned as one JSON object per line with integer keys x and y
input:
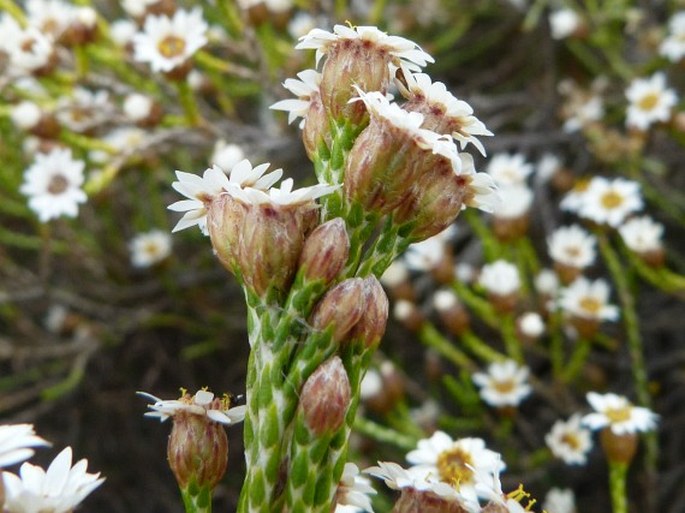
{"x": 325, "y": 251}
{"x": 341, "y": 307}
{"x": 325, "y": 397}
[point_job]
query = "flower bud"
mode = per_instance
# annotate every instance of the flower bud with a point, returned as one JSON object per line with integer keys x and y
{"x": 197, "y": 450}
{"x": 325, "y": 251}
{"x": 325, "y": 397}
{"x": 316, "y": 128}
{"x": 341, "y": 307}
{"x": 618, "y": 448}
{"x": 425, "y": 501}
{"x": 374, "y": 318}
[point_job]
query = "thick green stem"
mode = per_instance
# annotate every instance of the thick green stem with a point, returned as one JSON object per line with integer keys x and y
{"x": 617, "y": 485}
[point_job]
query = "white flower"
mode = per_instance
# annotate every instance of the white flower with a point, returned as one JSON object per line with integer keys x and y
{"x": 673, "y": 47}
{"x": 28, "y": 49}
{"x": 53, "y": 184}
{"x": 137, "y": 107}
{"x": 455, "y": 114}
{"x": 396, "y": 274}
{"x": 582, "y": 107}
{"x": 569, "y": 441}
{"x": 489, "y": 486}
{"x": 548, "y": 165}
{"x": 201, "y": 190}
{"x": 84, "y": 109}
{"x": 610, "y": 201}
{"x": 509, "y": 169}
{"x": 588, "y": 300}
{"x": 283, "y": 195}
{"x": 137, "y": 8}
{"x": 444, "y": 300}
{"x": 642, "y": 234}
{"x": 564, "y": 23}
{"x": 225, "y": 155}
{"x": 572, "y": 246}
{"x": 427, "y": 254}
{"x": 354, "y": 489}
{"x": 650, "y": 101}
{"x": 371, "y": 385}
{"x": 547, "y": 283}
{"x": 455, "y": 461}
{"x": 300, "y": 24}
{"x": 122, "y": 31}
{"x": 405, "y": 53}
{"x": 531, "y": 324}
{"x": 575, "y": 198}
{"x": 149, "y": 248}
{"x": 167, "y": 43}
{"x": 619, "y": 414}
{"x": 514, "y": 201}
{"x": 58, "y": 490}
{"x": 500, "y": 278}
{"x": 560, "y": 500}
{"x": 26, "y": 115}
{"x": 202, "y": 403}
{"x": 504, "y": 384}
{"x": 16, "y": 441}
{"x": 305, "y": 89}
{"x": 279, "y": 6}
{"x": 51, "y": 17}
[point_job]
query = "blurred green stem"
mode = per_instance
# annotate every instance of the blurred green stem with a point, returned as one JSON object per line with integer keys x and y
{"x": 188, "y": 102}
{"x": 617, "y": 485}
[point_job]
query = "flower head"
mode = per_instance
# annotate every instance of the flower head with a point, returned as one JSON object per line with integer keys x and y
{"x": 504, "y": 384}
{"x": 202, "y": 403}
{"x": 650, "y": 101}
{"x": 16, "y": 442}
{"x": 569, "y": 441}
{"x": 560, "y": 500}
{"x": 609, "y": 201}
{"x": 58, "y": 490}
{"x": 84, "y": 109}
{"x": 673, "y": 46}
{"x": 572, "y": 246}
{"x": 354, "y": 489}
{"x": 53, "y": 184}
{"x": 509, "y": 169}
{"x": 150, "y": 248}
{"x": 500, "y": 278}
{"x": 306, "y": 89}
{"x": 168, "y": 43}
{"x": 642, "y": 234}
{"x": 618, "y": 414}
{"x": 588, "y": 300}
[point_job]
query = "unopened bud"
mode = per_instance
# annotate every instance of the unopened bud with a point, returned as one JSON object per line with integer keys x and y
{"x": 341, "y": 307}
{"x": 316, "y": 129}
{"x": 325, "y": 251}
{"x": 325, "y": 397}
{"x": 618, "y": 448}
{"x": 197, "y": 450}
{"x": 374, "y": 318}
{"x": 425, "y": 501}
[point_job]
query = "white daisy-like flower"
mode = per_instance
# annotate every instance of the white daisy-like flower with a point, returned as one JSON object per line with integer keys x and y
{"x": 619, "y": 414}
{"x": 500, "y": 278}
{"x": 354, "y": 489}
{"x": 575, "y": 198}
{"x": 569, "y": 440}
{"x": 51, "y": 17}
{"x": 167, "y": 43}
{"x": 454, "y": 117}
{"x": 560, "y": 500}
{"x": 548, "y": 165}
{"x": 588, "y": 300}
{"x": 396, "y": 274}
{"x": 201, "y": 190}
{"x": 84, "y": 109}
{"x": 572, "y": 246}
{"x": 137, "y": 107}
{"x": 301, "y": 24}
{"x": 406, "y": 53}
{"x": 53, "y": 184}
{"x": 453, "y": 461}
{"x": 150, "y": 248}
{"x": 504, "y": 384}
{"x": 137, "y": 8}
{"x": 564, "y": 23}
{"x": 514, "y": 201}
{"x": 17, "y": 442}
{"x": 58, "y": 490}
{"x": 509, "y": 169}
{"x": 531, "y": 325}
{"x": 305, "y": 88}
{"x": 226, "y": 155}
{"x": 28, "y": 49}
{"x": 673, "y": 46}
{"x": 610, "y": 201}
{"x": 279, "y": 6}
{"x": 202, "y": 403}
{"x": 122, "y": 31}
{"x": 26, "y": 115}
{"x": 642, "y": 234}
{"x": 489, "y": 487}
{"x": 426, "y": 255}
{"x": 650, "y": 101}
{"x": 546, "y": 283}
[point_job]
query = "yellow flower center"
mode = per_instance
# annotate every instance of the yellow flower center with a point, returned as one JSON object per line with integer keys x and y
{"x": 591, "y": 305}
{"x": 152, "y": 248}
{"x": 649, "y": 101}
{"x": 572, "y": 251}
{"x": 58, "y": 184}
{"x": 571, "y": 440}
{"x": 616, "y": 415}
{"x": 505, "y": 386}
{"x": 171, "y": 46}
{"x": 452, "y": 465}
{"x": 612, "y": 199}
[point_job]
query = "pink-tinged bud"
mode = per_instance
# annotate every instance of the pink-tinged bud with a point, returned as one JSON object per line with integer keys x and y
{"x": 225, "y": 219}
{"x": 197, "y": 450}
{"x": 425, "y": 501}
{"x": 341, "y": 307}
{"x": 316, "y": 130}
{"x": 325, "y": 397}
{"x": 618, "y": 448}
{"x": 325, "y": 251}
{"x": 374, "y": 318}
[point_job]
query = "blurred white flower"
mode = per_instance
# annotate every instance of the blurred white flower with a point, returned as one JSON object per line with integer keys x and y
{"x": 509, "y": 169}
{"x": 150, "y": 248}
{"x": 306, "y": 88}
{"x": 569, "y": 441}
{"x": 500, "y": 278}
{"x": 515, "y": 201}
{"x": 427, "y": 254}
{"x": 504, "y": 384}
{"x": 202, "y": 403}
{"x": 531, "y": 325}
{"x": 53, "y": 184}
{"x": 226, "y": 155}
{"x": 564, "y": 23}
{"x": 642, "y": 234}
{"x": 560, "y": 500}
{"x": 354, "y": 489}
{"x": 610, "y": 201}
{"x": 618, "y": 413}
{"x": 84, "y": 109}
{"x": 673, "y": 46}
{"x": 26, "y": 115}
{"x": 16, "y": 443}
{"x": 572, "y": 246}
{"x": 137, "y": 107}
{"x": 122, "y": 31}
{"x": 58, "y": 490}
{"x": 650, "y": 101}
{"x": 588, "y": 300}
{"x": 300, "y": 24}
{"x": 547, "y": 283}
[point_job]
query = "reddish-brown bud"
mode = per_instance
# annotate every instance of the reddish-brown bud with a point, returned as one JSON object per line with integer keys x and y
{"x": 371, "y": 326}
{"x": 197, "y": 450}
{"x": 341, "y": 307}
{"x": 325, "y": 251}
{"x": 424, "y": 501}
{"x": 618, "y": 448}
{"x": 325, "y": 397}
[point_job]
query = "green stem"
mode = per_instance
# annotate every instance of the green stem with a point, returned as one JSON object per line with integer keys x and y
{"x": 384, "y": 434}
{"x": 431, "y": 337}
{"x": 577, "y": 360}
{"x": 188, "y": 102}
{"x": 480, "y": 348}
{"x": 511, "y": 340}
{"x": 14, "y": 10}
{"x": 197, "y": 500}
{"x": 617, "y": 485}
